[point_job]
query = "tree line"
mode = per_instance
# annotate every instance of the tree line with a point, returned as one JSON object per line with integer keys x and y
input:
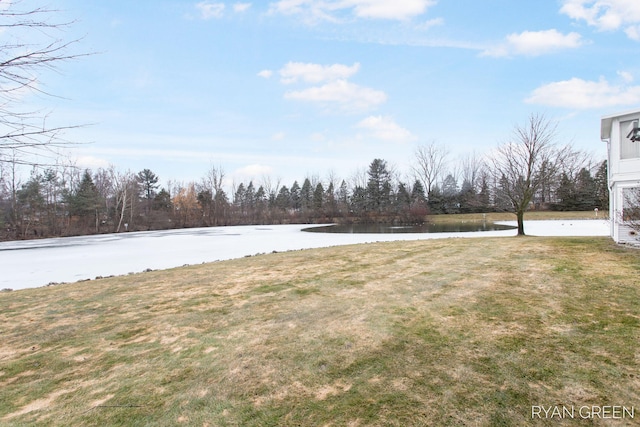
{"x": 529, "y": 171}
{"x": 64, "y": 200}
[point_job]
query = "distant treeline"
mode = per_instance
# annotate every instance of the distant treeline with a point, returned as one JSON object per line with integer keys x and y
{"x": 63, "y": 201}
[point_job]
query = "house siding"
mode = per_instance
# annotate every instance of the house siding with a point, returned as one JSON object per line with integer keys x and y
{"x": 623, "y": 169}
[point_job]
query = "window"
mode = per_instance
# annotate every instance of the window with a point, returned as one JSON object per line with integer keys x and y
{"x": 628, "y": 149}
{"x": 631, "y": 204}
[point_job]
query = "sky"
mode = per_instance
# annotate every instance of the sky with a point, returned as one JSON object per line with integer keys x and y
{"x": 319, "y": 88}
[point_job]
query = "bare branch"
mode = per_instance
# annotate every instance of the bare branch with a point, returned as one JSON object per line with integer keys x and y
{"x": 430, "y": 160}
{"x": 27, "y": 133}
{"x": 521, "y": 165}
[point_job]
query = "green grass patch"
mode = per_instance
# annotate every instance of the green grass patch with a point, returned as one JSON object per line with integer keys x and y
{"x": 444, "y": 333}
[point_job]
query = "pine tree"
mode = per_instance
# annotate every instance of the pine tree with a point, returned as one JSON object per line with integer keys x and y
{"x": 450, "y": 195}
{"x": 318, "y": 199}
{"x": 306, "y": 195}
{"x": 601, "y": 187}
{"x": 331, "y": 205}
{"x": 296, "y": 198}
{"x": 85, "y": 202}
{"x": 31, "y": 203}
{"x": 378, "y": 186}
{"x": 566, "y": 193}
{"x": 148, "y": 183}
{"x": 283, "y": 199}
{"x": 417, "y": 192}
{"x": 484, "y": 197}
{"x": 585, "y": 191}
{"x": 343, "y": 198}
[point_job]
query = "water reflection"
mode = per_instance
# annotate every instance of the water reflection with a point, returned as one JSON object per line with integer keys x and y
{"x": 425, "y": 228}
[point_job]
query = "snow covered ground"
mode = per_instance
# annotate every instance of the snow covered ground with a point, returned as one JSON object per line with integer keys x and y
{"x": 34, "y": 263}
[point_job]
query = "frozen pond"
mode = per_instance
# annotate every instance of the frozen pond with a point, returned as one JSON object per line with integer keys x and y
{"x": 33, "y": 263}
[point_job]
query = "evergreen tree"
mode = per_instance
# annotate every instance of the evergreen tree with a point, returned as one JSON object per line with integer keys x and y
{"x": 250, "y": 198}
{"x": 318, "y": 199}
{"x": 221, "y": 207}
{"x": 378, "y": 186}
{"x": 484, "y": 197}
{"x": 450, "y": 195}
{"x": 283, "y": 199}
{"x": 239, "y": 199}
{"x": 148, "y": 183}
{"x": 436, "y": 201}
{"x": 359, "y": 200}
{"x": 260, "y": 203}
{"x": 296, "y": 198}
{"x": 85, "y": 202}
{"x": 162, "y": 201}
{"x": 403, "y": 197}
{"x": 566, "y": 194}
{"x": 205, "y": 200}
{"x": 31, "y": 203}
{"x": 306, "y": 195}
{"x": 467, "y": 198}
{"x": 602, "y": 187}
{"x": 585, "y": 191}
{"x": 343, "y": 198}
{"x": 331, "y": 205}
{"x": 417, "y": 192}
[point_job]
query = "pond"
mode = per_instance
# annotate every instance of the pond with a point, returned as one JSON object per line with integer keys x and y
{"x": 33, "y": 263}
{"x": 459, "y": 227}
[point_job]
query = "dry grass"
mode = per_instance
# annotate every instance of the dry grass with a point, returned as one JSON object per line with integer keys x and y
{"x": 529, "y": 216}
{"x": 436, "y": 332}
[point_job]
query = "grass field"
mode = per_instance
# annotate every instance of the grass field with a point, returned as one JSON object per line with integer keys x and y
{"x": 507, "y": 216}
{"x": 436, "y": 332}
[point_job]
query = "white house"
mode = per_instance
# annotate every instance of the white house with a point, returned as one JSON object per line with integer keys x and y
{"x": 622, "y": 134}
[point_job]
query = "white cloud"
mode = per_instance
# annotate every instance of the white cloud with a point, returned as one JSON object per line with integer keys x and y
{"x": 633, "y": 32}
{"x": 252, "y": 171}
{"x": 583, "y": 94}
{"x": 385, "y": 128}
{"x": 534, "y": 43}
{"x": 241, "y": 7}
{"x": 605, "y": 15}
{"x": 626, "y": 76}
{"x": 385, "y": 9}
{"x": 430, "y": 24}
{"x": 210, "y": 10}
{"x": 327, "y": 10}
{"x": 91, "y": 162}
{"x": 348, "y": 96}
{"x": 316, "y": 73}
{"x": 278, "y": 136}
{"x": 265, "y": 74}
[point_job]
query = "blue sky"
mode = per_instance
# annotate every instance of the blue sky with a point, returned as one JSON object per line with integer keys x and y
{"x": 296, "y": 88}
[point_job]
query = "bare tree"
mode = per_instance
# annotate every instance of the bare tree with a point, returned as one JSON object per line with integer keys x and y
{"x": 471, "y": 167}
{"x": 431, "y": 160}
{"x": 212, "y": 183}
{"x": 521, "y": 165}
{"x": 29, "y": 47}
{"x": 124, "y": 188}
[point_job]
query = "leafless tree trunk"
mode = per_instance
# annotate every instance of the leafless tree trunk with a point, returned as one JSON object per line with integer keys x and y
{"x": 471, "y": 167}
{"x": 430, "y": 162}
{"x": 521, "y": 165}
{"x": 123, "y": 186}
{"x": 213, "y": 182}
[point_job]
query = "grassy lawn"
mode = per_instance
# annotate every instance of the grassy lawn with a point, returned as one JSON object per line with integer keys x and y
{"x": 529, "y": 216}
{"x": 458, "y": 332}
